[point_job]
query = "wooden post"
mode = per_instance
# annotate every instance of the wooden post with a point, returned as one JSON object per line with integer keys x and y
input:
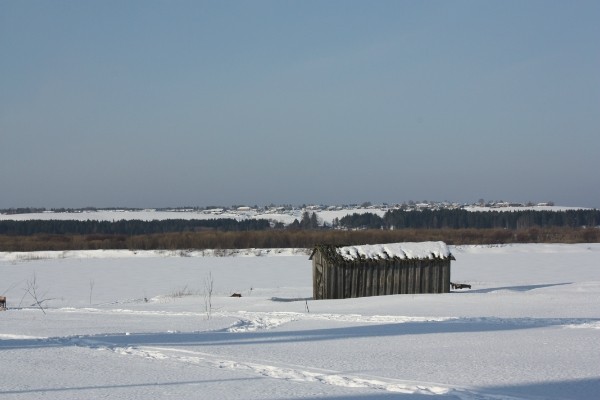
{"x": 354, "y": 287}
{"x": 368, "y": 283}
{"x": 374, "y": 281}
{"x": 410, "y": 278}
{"x": 389, "y": 279}
{"x": 418, "y": 271}
{"x": 347, "y": 281}
{"x": 425, "y": 281}
{"x": 404, "y": 279}
{"x": 396, "y": 278}
{"x": 434, "y": 277}
{"x": 446, "y": 277}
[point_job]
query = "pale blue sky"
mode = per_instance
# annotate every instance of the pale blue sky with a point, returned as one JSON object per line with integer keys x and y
{"x": 173, "y": 103}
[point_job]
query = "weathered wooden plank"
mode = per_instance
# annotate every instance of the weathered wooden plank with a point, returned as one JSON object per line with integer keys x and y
{"x": 338, "y": 279}
{"x": 331, "y": 281}
{"x": 354, "y": 286}
{"x": 319, "y": 260}
{"x": 441, "y": 283}
{"x": 374, "y": 279}
{"x": 380, "y": 279}
{"x": 384, "y": 279}
{"x": 317, "y": 279}
{"x": 362, "y": 275}
{"x": 436, "y": 277}
{"x": 347, "y": 282}
{"x": 410, "y": 278}
{"x": 440, "y": 277}
{"x": 395, "y": 279}
{"x": 389, "y": 279}
{"x": 368, "y": 283}
{"x": 314, "y": 276}
{"x": 324, "y": 281}
{"x": 404, "y": 280}
{"x": 342, "y": 282}
{"x": 446, "y": 278}
{"x": 418, "y": 270}
{"x": 424, "y": 286}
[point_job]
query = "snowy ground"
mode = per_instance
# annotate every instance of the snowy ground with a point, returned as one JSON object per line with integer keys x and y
{"x": 130, "y": 325}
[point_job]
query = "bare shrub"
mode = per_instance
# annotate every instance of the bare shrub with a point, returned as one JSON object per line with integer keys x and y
{"x": 182, "y": 292}
{"x": 33, "y": 290}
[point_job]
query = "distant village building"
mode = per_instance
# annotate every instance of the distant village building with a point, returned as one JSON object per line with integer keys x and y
{"x": 382, "y": 269}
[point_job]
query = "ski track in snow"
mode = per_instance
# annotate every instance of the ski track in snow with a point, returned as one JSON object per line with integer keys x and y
{"x": 251, "y": 321}
{"x": 248, "y": 321}
{"x": 290, "y": 372}
{"x": 254, "y": 321}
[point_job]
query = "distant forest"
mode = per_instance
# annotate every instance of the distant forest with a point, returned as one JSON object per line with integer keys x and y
{"x": 452, "y": 226}
{"x": 127, "y": 227}
{"x": 462, "y": 219}
{"x": 396, "y": 219}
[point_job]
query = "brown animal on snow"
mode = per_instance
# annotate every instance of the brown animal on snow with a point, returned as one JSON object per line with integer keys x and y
{"x": 236, "y": 295}
{"x": 2, "y": 303}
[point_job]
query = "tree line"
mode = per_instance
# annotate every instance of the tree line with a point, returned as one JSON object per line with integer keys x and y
{"x": 462, "y": 219}
{"x": 395, "y": 219}
{"x": 450, "y": 226}
{"x": 127, "y": 227}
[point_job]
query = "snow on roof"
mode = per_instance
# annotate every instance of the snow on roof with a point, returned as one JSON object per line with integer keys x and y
{"x": 404, "y": 251}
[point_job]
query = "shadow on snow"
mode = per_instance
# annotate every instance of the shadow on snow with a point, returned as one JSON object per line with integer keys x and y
{"x": 117, "y": 386}
{"x": 218, "y": 338}
{"x": 523, "y": 288}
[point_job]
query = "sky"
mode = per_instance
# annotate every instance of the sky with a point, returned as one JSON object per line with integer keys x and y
{"x": 197, "y": 103}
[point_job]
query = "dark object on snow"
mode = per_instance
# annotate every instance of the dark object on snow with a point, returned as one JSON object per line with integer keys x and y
{"x": 236, "y": 295}
{"x": 460, "y": 285}
{"x": 2, "y": 303}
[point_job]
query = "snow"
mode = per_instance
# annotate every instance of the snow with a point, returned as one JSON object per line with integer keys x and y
{"x": 135, "y": 325}
{"x": 407, "y": 250}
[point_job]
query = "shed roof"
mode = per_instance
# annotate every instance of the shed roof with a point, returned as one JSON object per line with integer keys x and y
{"x": 389, "y": 251}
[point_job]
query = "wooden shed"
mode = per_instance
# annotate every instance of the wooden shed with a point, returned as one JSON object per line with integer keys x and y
{"x": 341, "y": 272}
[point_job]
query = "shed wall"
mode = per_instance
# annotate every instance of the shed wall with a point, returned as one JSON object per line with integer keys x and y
{"x": 374, "y": 278}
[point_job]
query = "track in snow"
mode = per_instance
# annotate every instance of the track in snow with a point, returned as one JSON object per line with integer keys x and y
{"x": 256, "y": 321}
{"x": 250, "y": 321}
{"x": 291, "y": 372}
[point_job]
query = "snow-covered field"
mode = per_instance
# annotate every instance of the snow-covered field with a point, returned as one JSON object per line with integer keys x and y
{"x": 286, "y": 217}
{"x": 125, "y": 325}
